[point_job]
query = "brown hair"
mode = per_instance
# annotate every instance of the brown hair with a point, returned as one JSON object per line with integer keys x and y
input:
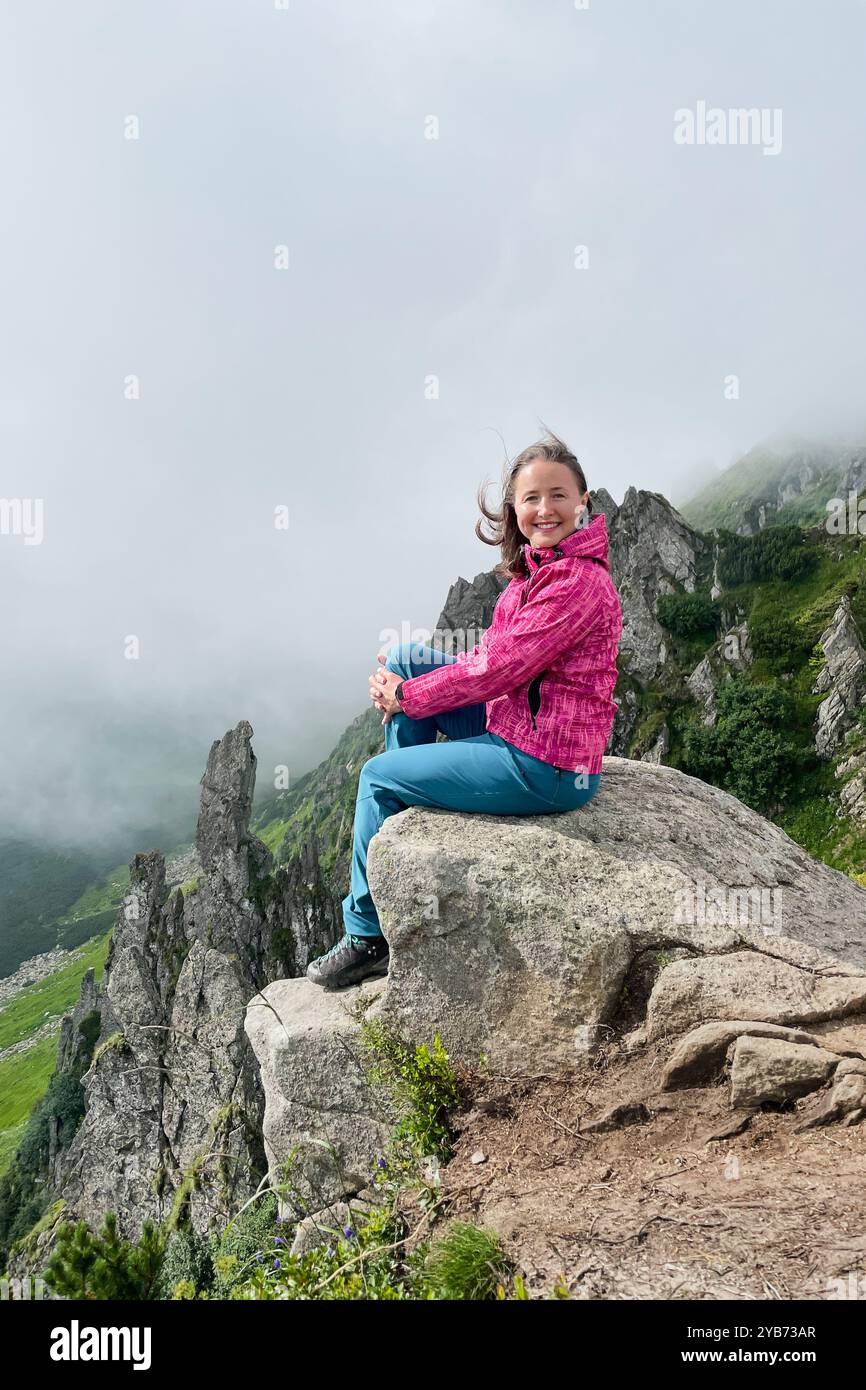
{"x": 505, "y": 531}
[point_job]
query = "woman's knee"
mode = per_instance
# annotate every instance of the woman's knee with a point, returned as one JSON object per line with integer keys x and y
{"x": 401, "y": 656}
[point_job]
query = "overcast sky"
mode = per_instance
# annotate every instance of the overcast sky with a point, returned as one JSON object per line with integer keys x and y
{"x": 151, "y": 265}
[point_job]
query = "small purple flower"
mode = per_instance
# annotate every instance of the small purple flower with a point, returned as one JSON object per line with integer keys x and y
{"x": 383, "y": 1162}
{"x": 330, "y": 1252}
{"x": 259, "y": 1256}
{"x": 280, "y": 1240}
{"x": 348, "y": 1233}
{"x": 279, "y": 1219}
{"x": 276, "y": 1264}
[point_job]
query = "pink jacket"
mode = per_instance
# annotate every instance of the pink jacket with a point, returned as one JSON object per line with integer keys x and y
{"x": 546, "y": 666}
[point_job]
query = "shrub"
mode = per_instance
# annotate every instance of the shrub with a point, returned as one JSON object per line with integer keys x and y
{"x": 780, "y": 641}
{"x": 104, "y": 1266}
{"x": 468, "y": 1263}
{"x": 422, "y": 1085}
{"x": 778, "y": 552}
{"x": 748, "y": 751}
{"x": 686, "y": 615}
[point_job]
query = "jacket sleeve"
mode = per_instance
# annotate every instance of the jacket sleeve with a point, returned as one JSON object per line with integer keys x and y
{"x": 559, "y": 612}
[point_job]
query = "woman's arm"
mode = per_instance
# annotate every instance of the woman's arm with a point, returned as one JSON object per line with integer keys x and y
{"x": 558, "y": 614}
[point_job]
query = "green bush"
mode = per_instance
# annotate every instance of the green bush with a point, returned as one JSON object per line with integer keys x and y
{"x": 188, "y": 1261}
{"x": 421, "y": 1084}
{"x": 686, "y": 615}
{"x": 748, "y": 752}
{"x": 780, "y": 641}
{"x": 468, "y": 1263}
{"x": 104, "y": 1266}
{"x": 778, "y": 552}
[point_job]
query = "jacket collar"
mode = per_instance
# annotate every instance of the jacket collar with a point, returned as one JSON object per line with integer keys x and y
{"x": 587, "y": 542}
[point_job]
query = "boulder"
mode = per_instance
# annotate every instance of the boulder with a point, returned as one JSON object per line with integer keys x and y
{"x": 319, "y": 1105}
{"x": 845, "y": 1101}
{"x": 749, "y": 985}
{"x": 700, "y": 1055}
{"x": 772, "y": 1070}
{"x": 843, "y": 675}
{"x": 513, "y": 936}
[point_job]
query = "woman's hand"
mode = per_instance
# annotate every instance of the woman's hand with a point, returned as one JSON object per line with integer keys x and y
{"x": 382, "y": 686}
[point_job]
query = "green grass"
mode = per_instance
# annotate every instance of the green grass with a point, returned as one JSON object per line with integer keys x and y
{"x": 24, "y": 1080}
{"x": 99, "y": 897}
{"x": 273, "y": 833}
{"x": 9, "y": 1141}
{"x": 54, "y": 995}
{"x": 25, "y": 1075}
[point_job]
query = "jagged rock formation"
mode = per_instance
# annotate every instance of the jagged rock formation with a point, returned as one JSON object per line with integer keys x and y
{"x": 468, "y": 611}
{"x": 843, "y": 676}
{"x": 173, "y": 1097}
{"x": 732, "y": 654}
{"x": 653, "y": 551}
{"x": 515, "y": 938}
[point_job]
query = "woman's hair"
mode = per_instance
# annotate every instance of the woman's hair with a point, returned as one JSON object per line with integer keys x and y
{"x": 505, "y": 531}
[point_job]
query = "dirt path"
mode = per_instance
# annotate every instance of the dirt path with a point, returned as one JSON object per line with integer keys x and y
{"x": 653, "y": 1210}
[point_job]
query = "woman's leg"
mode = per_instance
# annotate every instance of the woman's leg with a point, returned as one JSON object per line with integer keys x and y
{"x": 482, "y": 773}
{"x": 414, "y": 659}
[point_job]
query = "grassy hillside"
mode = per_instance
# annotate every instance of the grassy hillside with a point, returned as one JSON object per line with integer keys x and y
{"x": 757, "y": 478}
{"x": 322, "y": 802}
{"x": 33, "y": 1017}
{"x": 763, "y": 750}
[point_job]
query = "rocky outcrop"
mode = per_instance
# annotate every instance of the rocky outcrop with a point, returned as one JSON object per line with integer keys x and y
{"x": 653, "y": 551}
{"x": 798, "y": 475}
{"x": 731, "y": 655}
{"x": 516, "y": 939}
{"x": 173, "y": 1099}
{"x": 319, "y": 1104}
{"x": 843, "y": 676}
{"x": 468, "y": 611}
{"x": 748, "y": 984}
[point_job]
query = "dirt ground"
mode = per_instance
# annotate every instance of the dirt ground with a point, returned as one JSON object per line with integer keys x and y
{"x": 654, "y": 1210}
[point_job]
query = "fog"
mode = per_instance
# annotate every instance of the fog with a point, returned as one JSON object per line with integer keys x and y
{"x": 323, "y": 258}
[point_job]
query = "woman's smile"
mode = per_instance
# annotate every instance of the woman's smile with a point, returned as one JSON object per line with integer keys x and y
{"x": 543, "y": 483}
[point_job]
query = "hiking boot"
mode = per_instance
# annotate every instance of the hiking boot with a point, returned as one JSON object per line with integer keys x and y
{"x": 351, "y": 960}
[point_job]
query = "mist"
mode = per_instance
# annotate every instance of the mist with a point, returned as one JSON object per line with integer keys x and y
{"x": 282, "y": 286}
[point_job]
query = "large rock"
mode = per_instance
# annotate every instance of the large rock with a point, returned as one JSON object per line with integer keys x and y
{"x": 749, "y": 985}
{"x": 700, "y": 1055}
{"x": 843, "y": 675}
{"x": 771, "y": 1070}
{"x": 172, "y": 1095}
{"x": 319, "y": 1105}
{"x": 653, "y": 551}
{"x": 730, "y": 656}
{"x": 845, "y": 1100}
{"x": 512, "y": 936}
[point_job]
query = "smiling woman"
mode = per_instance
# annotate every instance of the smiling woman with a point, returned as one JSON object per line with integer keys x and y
{"x": 526, "y": 714}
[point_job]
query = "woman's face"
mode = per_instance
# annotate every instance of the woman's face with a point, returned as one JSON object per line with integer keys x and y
{"x": 547, "y": 502}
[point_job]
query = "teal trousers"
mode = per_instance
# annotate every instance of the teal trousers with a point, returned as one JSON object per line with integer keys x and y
{"x": 473, "y": 771}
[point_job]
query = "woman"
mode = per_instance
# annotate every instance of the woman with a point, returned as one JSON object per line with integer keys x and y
{"x": 527, "y": 713}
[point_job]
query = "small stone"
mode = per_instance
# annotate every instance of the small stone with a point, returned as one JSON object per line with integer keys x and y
{"x": 727, "y": 1129}
{"x": 633, "y": 1112}
{"x": 478, "y": 1157}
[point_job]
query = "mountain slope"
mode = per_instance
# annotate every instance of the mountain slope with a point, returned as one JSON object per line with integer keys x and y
{"x": 776, "y": 483}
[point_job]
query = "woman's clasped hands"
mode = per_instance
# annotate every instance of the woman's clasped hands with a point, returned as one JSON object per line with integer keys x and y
{"x": 382, "y": 686}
